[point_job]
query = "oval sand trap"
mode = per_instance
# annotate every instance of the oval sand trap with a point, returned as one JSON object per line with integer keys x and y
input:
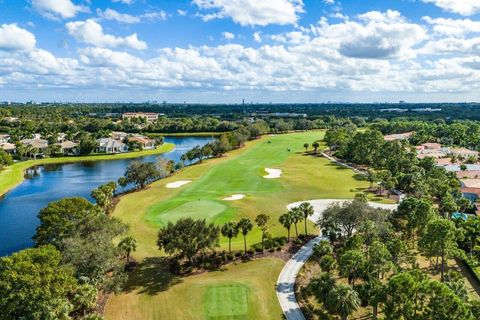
{"x": 273, "y": 173}
{"x": 235, "y": 197}
{"x": 177, "y": 184}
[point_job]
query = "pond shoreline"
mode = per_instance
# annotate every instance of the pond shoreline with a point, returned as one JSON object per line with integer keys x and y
{"x": 12, "y": 176}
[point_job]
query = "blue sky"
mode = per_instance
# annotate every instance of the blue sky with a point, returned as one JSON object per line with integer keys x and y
{"x": 225, "y": 50}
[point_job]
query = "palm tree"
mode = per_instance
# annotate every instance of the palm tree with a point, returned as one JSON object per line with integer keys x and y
{"x": 322, "y": 286}
{"x": 315, "y": 146}
{"x": 230, "y": 230}
{"x": 286, "y": 221}
{"x": 306, "y": 145}
{"x": 307, "y": 211}
{"x": 344, "y": 300}
{"x": 262, "y": 220}
{"x": 245, "y": 225}
{"x": 128, "y": 245}
{"x": 297, "y": 216}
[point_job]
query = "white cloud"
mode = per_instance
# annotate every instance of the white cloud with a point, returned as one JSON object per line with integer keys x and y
{"x": 181, "y": 12}
{"x": 91, "y": 32}
{"x": 13, "y": 38}
{"x": 228, "y": 35}
{"x": 376, "y": 35}
{"x": 257, "y": 37}
{"x": 462, "y": 7}
{"x": 453, "y": 27}
{"x": 111, "y": 14}
{"x": 253, "y": 12}
{"x": 57, "y": 9}
{"x": 124, "y": 1}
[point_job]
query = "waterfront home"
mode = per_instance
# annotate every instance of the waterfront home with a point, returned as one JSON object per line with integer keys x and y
{"x": 148, "y": 116}
{"x": 37, "y": 146}
{"x": 109, "y": 145}
{"x": 8, "y": 147}
{"x": 470, "y": 183}
{"x": 4, "y": 138}
{"x": 118, "y": 135}
{"x": 471, "y": 174}
{"x": 145, "y": 142}
{"x": 69, "y": 148}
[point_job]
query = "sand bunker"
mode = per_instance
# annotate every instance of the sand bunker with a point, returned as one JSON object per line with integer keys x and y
{"x": 235, "y": 197}
{"x": 273, "y": 173}
{"x": 177, "y": 184}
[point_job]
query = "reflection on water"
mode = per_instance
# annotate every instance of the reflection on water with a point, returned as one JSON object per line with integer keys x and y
{"x": 43, "y": 184}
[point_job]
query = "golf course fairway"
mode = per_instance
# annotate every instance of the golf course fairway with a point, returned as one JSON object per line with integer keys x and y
{"x": 241, "y": 171}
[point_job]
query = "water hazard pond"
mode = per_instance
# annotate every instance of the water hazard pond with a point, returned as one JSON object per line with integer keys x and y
{"x": 19, "y": 207}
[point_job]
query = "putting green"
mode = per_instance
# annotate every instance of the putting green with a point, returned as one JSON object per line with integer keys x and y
{"x": 226, "y": 301}
{"x": 175, "y": 210}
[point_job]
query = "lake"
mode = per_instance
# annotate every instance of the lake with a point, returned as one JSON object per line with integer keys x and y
{"x": 20, "y": 206}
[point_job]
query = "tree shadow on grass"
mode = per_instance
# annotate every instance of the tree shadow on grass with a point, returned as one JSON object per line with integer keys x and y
{"x": 151, "y": 276}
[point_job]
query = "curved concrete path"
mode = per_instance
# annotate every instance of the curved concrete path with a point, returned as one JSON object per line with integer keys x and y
{"x": 286, "y": 280}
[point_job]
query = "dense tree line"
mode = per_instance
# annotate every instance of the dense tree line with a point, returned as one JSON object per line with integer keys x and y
{"x": 372, "y": 249}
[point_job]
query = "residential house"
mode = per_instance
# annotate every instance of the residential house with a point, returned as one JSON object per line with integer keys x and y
{"x": 145, "y": 142}
{"x": 464, "y": 153}
{"x": 8, "y": 147}
{"x": 68, "y": 148}
{"x": 109, "y": 145}
{"x": 398, "y": 136}
{"x": 4, "y": 138}
{"x": 38, "y": 145}
{"x": 472, "y": 174}
{"x": 118, "y": 135}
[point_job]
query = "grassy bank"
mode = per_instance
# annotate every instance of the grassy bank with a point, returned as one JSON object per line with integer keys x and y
{"x": 11, "y": 176}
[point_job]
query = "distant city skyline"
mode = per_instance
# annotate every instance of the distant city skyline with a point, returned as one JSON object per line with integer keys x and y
{"x": 224, "y": 51}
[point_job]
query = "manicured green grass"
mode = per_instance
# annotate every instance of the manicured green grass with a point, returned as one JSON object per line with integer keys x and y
{"x": 11, "y": 176}
{"x": 225, "y": 300}
{"x": 239, "y": 291}
{"x": 304, "y": 177}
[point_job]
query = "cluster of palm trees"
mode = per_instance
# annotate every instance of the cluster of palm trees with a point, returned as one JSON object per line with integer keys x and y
{"x": 295, "y": 216}
{"x": 315, "y": 146}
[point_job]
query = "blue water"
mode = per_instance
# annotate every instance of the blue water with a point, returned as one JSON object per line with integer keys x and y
{"x": 19, "y": 207}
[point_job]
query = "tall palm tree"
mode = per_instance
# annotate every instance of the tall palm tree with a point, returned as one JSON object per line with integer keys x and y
{"x": 128, "y": 245}
{"x": 245, "y": 225}
{"x": 230, "y": 230}
{"x": 306, "y": 145}
{"x": 297, "y": 216}
{"x": 307, "y": 211}
{"x": 286, "y": 221}
{"x": 261, "y": 221}
{"x": 315, "y": 146}
{"x": 344, "y": 300}
{"x": 322, "y": 286}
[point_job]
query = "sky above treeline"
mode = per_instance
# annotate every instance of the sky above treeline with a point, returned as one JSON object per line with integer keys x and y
{"x": 215, "y": 51}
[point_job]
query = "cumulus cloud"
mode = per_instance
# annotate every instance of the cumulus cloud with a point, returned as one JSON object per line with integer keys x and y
{"x": 257, "y": 37}
{"x": 375, "y": 35}
{"x": 228, "y": 35}
{"x": 462, "y": 7}
{"x": 91, "y": 32}
{"x": 252, "y": 12}
{"x": 57, "y": 9}
{"x": 453, "y": 27}
{"x": 13, "y": 38}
